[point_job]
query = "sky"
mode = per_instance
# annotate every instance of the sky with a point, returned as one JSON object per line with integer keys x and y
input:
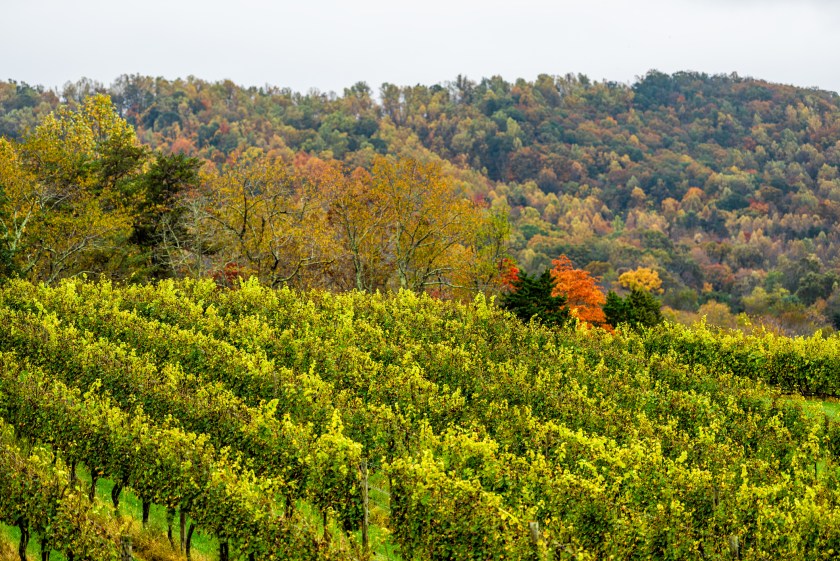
{"x": 332, "y": 44}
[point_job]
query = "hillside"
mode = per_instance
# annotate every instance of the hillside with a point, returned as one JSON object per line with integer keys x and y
{"x": 727, "y": 186}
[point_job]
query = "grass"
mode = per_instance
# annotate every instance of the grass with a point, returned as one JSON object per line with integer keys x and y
{"x": 153, "y": 537}
{"x": 831, "y": 406}
{"x": 8, "y": 552}
{"x": 132, "y": 507}
{"x": 379, "y": 506}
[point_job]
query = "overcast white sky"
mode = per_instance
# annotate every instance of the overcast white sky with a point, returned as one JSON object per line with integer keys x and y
{"x": 332, "y": 44}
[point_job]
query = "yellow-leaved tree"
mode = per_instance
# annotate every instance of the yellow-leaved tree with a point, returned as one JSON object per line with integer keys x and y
{"x": 360, "y": 219}
{"x": 405, "y": 225}
{"x": 259, "y": 217}
{"x": 643, "y": 278}
{"x": 316, "y": 223}
{"x": 428, "y": 221}
{"x": 66, "y": 193}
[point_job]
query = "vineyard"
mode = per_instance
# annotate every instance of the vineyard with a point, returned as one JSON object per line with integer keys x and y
{"x": 279, "y": 424}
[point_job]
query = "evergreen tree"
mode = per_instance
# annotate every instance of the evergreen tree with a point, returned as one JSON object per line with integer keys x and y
{"x": 531, "y": 298}
{"x": 615, "y": 308}
{"x": 167, "y": 177}
{"x": 639, "y": 309}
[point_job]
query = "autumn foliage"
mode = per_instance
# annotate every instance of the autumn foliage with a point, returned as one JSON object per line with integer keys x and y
{"x": 81, "y": 195}
{"x": 508, "y": 273}
{"x": 727, "y": 186}
{"x": 584, "y": 297}
{"x": 643, "y": 278}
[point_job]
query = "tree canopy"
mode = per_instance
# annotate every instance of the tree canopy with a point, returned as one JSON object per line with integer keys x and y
{"x": 722, "y": 184}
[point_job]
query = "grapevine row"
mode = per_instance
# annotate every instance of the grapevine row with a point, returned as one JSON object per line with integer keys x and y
{"x": 36, "y": 497}
{"x": 274, "y": 446}
{"x": 162, "y": 464}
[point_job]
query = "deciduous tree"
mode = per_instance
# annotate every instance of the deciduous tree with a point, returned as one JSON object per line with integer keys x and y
{"x": 584, "y": 297}
{"x": 429, "y": 220}
{"x": 68, "y": 192}
{"x": 361, "y": 218}
{"x": 643, "y": 278}
{"x": 268, "y": 220}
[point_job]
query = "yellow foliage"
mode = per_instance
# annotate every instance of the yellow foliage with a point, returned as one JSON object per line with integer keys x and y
{"x": 643, "y": 278}
{"x": 66, "y": 203}
{"x": 718, "y": 314}
{"x": 262, "y": 218}
{"x": 406, "y": 225}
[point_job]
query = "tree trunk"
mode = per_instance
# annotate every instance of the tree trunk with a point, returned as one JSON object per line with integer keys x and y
{"x": 146, "y": 506}
{"x": 115, "y": 496}
{"x": 170, "y": 517}
{"x": 94, "y": 477}
{"x": 326, "y": 531}
{"x": 24, "y": 539}
{"x": 357, "y": 265}
{"x": 224, "y": 552}
{"x": 45, "y": 550}
{"x": 189, "y": 541}
{"x": 73, "y": 472}
{"x": 289, "y": 507}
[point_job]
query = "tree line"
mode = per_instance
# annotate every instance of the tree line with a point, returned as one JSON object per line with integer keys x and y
{"x": 81, "y": 195}
{"x": 727, "y": 186}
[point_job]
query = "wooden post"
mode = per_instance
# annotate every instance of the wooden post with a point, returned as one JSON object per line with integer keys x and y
{"x": 734, "y": 547}
{"x": 534, "y": 531}
{"x": 365, "y": 519}
{"x": 125, "y": 549}
{"x": 534, "y": 528}
{"x": 183, "y": 528}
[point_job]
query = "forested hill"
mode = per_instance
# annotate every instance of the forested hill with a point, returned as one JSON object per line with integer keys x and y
{"x": 727, "y": 186}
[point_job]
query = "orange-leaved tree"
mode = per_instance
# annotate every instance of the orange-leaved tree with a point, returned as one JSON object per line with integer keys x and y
{"x": 508, "y": 273}
{"x": 584, "y": 297}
